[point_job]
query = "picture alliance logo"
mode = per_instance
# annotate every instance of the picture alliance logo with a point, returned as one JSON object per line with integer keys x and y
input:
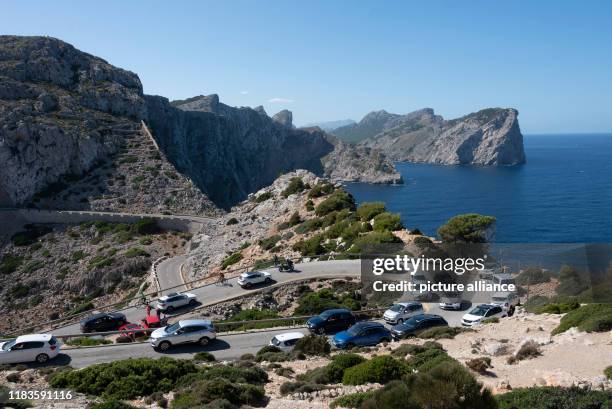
{"x": 408, "y": 264}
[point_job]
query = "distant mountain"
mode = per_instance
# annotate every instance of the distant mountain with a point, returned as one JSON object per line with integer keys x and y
{"x": 329, "y": 126}
{"x": 488, "y": 137}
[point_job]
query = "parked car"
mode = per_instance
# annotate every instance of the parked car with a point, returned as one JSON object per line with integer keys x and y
{"x": 401, "y": 311}
{"x": 450, "y": 301}
{"x": 331, "y": 321}
{"x": 104, "y": 321}
{"x": 362, "y": 334}
{"x": 136, "y": 330}
{"x": 482, "y": 312}
{"x": 251, "y": 278}
{"x": 287, "y": 340}
{"x": 184, "y": 331}
{"x": 152, "y": 321}
{"x": 417, "y": 324}
{"x": 29, "y": 348}
{"x": 505, "y": 299}
{"x": 172, "y": 301}
{"x": 503, "y": 278}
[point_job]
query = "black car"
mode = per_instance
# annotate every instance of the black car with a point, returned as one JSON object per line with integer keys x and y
{"x": 105, "y": 321}
{"x": 331, "y": 321}
{"x": 416, "y": 324}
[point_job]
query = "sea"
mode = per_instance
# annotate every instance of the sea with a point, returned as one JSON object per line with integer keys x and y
{"x": 563, "y": 194}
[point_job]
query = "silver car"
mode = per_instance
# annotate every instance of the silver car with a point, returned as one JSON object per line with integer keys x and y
{"x": 401, "y": 311}
{"x": 182, "y": 332}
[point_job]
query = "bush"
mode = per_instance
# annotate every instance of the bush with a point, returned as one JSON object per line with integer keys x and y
{"x": 396, "y": 395}
{"x": 310, "y": 205}
{"x": 471, "y": 228}
{"x": 532, "y": 276}
{"x": 313, "y": 345}
{"x": 111, "y": 404}
{"x": 10, "y": 263}
{"x": 136, "y": 252}
{"x": 263, "y": 197}
{"x": 146, "y": 225}
{"x": 310, "y": 247}
{"x": 608, "y": 372}
{"x": 268, "y": 348}
{"x": 205, "y": 391}
{"x": 441, "y": 333}
{"x": 286, "y": 372}
{"x": 411, "y": 349}
{"x": 295, "y": 219}
{"x": 380, "y": 369}
{"x": 548, "y": 397}
{"x": 299, "y": 387}
{"x": 30, "y": 235}
{"x": 14, "y": 377}
{"x": 232, "y": 259}
{"x": 274, "y": 357}
{"x": 313, "y": 303}
{"x": 558, "y": 308}
{"x": 232, "y": 221}
{"x": 368, "y": 210}
{"x": 204, "y": 357}
{"x": 353, "y": 400}
{"x": 372, "y": 239}
{"x": 387, "y": 222}
{"x": 336, "y": 201}
{"x": 321, "y": 189}
{"x": 126, "y": 379}
{"x": 528, "y": 350}
{"x": 87, "y": 341}
{"x": 269, "y": 242}
{"x": 123, "y": 339}
{"x": 589, "y": 318}
{"x": 480, "y": 365}
{"x": 295, "y": 185}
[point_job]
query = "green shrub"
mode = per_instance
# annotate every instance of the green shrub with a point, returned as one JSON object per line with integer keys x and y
{"x": 549, "y": 397}
{"x": 232, "y": 259}
{"x": 313, "y": 345}
{"x": 205, "y": 391}
{"x": 295, "y": 219}
{"x": 558, "y": 308}
{"x": 310, "y": 205}
{"x": 309, "y": 225}
{"x": 471, "y": 228}
{"x": 232, "y": 221}
{"x": 368, "y": 210}
{"x": 274, "y": 357}
{"x": 528, "y": 350}
{"x": 441, "y": 333}
{"x": 380, "y": 369}
{"x": 87, "y": 341}
{"x": 263, "y": 197}
{"x": 353, "y": 400}
{"x": 428, "y": 359}
{"x": 310, "y": 247}
{"x": 395, "y": 395}
{"x": 295, "y": 185}
{"x": 204, "y": 357}
{"x": 146, "y": 225}
{"x": 532, "y": 276}
{"x": 269, "y": 242}
{"x": 78, "y": 255}
{"x": 136, "y": 252}
{"x": 268, "y": 348}
{"x": 336, "y": 201}
{"x": 320, "y": 189}
{"x": 480, "y": 365}
{"x": 608, "y": 372}
{"x": 313, "y": 303}
{"x": 252, "y": 375}
{"x": 412, "y": 349}
{"x": 126, "y": 379}
{"x": 372, "y": 239}
{"x": 387, "y": 222}
{"x": 589, "y": 318}
{"x": 10, "y": 263}
{"x": 30, "y": 235}
{"x": 19, "y": 291}
{"x": 299, "y": 387}
{"x": 111, "y": 404}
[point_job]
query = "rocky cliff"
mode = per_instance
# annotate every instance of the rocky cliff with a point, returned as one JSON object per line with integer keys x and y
{"x": 71, "y": 136}
{"x": 488, "y": 137}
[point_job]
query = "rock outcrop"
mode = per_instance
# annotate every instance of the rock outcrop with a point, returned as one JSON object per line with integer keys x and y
{"x": 67, "y": 117}
{"x": 488, "y": 137}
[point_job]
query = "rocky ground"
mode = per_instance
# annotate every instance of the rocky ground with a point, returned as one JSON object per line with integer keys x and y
{"x": 66, "y": 268}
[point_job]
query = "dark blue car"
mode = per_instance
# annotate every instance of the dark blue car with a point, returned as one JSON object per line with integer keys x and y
{"x": 331, "y": 321}
{"x": 362, "y": 334}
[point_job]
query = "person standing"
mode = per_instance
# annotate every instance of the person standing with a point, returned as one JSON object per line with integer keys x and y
{"x": 148, "y": 309}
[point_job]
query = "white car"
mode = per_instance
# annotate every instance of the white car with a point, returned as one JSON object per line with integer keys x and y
{"x": 286, "y": 341}
{"x": 505, "y": 299}
{"x": 251, "y": 278}
{"x": 450, "y": 301}
{"x": 172, "y": 301}
{"x": 482, "y": 312}
{"x": 29, "y": 348}
{"x": 401, "y": 311}
{"x": 182, "y": 332}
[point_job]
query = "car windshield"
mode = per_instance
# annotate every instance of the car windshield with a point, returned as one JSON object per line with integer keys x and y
{"x": 172, "y": 328}
{"x": 8, "y": 345}
{"x": 396, "y": 308}
{"x": 413, "y": 321}
{"x": 354, "y": 330}
{"x": 275, "y": 341}
{"x": 326, "y": 314}
{"x": 480, "y": 311}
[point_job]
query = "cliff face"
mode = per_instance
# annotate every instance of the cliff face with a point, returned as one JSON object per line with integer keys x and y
{"x": 488, "y": 137}
{"x": 71, "y": 137}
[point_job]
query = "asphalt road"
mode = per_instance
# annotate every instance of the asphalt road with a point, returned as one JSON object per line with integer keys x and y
{"x": 212, "y": 294}
{"x": 169, "y": 274}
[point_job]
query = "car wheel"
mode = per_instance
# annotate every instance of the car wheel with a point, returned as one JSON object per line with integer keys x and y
{"x": 320, "y": 331}
{"x": 268, "y": 279}
{"x": 248, "y": 285}
{"x": 204, "y": 341}
{"x": 42, "y": 358}
{"x": 164, "y": 346}
{"x": 192, "y": 302}
{"x": 386, "y": 340}
{"x": 400, "y": 321}
{"x": 170, "y": 309}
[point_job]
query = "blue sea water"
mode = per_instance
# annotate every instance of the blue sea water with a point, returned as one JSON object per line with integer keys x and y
{"x": 563, "y": 194}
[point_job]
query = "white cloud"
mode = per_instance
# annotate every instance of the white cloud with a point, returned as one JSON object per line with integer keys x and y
{"x": 244, "y": 92}
{"x": 279, "y": 100}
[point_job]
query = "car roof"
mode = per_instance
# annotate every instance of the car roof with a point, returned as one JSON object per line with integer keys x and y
{"x": 188, "y": 323}
{"x": 487, "y": 305}
{"x": 368, "y": 324}
{"x": 407, "y": 303}
{"x": 289, "y": 335}
{"x": 101, "y": 314}
{"x": 33, "y": 337}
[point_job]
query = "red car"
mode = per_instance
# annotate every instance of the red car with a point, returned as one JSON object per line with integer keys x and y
{"x": 136, "y": 330}
{"x": 151, "y": 321}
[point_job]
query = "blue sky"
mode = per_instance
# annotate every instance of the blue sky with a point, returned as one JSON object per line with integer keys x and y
{"x": 341, "y": 59}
